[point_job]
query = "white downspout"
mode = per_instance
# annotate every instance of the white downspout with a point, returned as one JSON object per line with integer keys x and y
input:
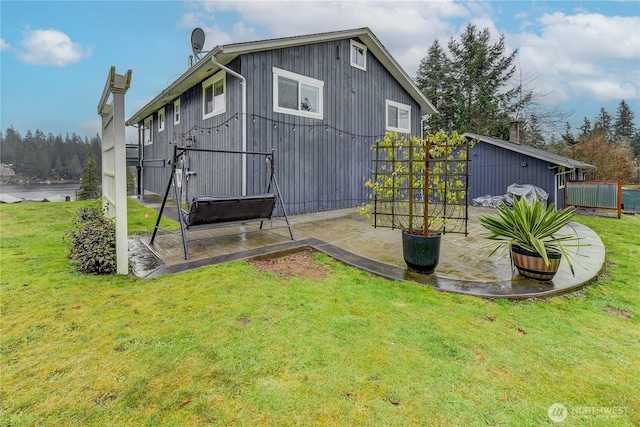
{"x": 243, "y": 83}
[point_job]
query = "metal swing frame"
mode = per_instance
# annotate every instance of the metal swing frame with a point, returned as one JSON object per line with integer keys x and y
{"x": 221, "y": 210}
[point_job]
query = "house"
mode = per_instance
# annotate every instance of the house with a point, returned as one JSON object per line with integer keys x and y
{"x": 495, "y": 164}
{"x": 319, "y": 100}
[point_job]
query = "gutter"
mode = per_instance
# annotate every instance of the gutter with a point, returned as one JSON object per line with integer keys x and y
{"x": 243, "y": 83}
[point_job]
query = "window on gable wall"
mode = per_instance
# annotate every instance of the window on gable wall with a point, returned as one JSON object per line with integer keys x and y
{"x": 358, "y": 55}
{"x": 147, "y": 131}
{"x": 398, "y": 117}
{"x": 213, "y": 95}
{"x": 176, "y": 112}
{"x": 161, "y": 120}
{"x": 297, "y": 94}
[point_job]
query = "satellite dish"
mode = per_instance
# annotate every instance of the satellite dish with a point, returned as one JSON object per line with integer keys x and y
{"x": 197, "y": 41}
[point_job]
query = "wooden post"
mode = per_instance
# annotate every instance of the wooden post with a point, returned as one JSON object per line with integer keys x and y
{"x": 410, "y": 185}
{"x": 427, "y": 154}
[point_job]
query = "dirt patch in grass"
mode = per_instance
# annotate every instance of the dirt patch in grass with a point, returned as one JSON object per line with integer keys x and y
{"x": 619, "y": 312}
{"x": 299, "y": 264}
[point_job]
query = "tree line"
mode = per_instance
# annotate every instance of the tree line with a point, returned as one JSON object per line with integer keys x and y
{"x": 37, "y": 156}
{"x": 477, "y": 87}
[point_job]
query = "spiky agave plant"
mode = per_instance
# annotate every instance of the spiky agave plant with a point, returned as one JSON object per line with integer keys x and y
{"x": 533, "y": 226}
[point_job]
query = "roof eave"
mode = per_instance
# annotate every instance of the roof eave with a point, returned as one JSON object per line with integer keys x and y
{"x": 541, "y": 155}
{"x": 199, "y": 70}
{"x": 196, "y": 73}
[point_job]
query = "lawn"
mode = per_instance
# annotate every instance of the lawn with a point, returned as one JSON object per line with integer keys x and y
{"x": 231, "y": 345}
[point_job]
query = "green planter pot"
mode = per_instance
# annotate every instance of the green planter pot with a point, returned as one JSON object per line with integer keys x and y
{"x": 421, "y": 253}
{"x": 532, "y": 266}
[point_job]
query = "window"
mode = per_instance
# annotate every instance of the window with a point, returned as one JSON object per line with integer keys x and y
{"x": 358, "y": 55}
{"x": 161, "y": 120}
{"x": 296, "y": 94}
{"x": 176, "y": 112}
{"x": 398, "y": 117}
{"x": 564, "y": 175}
{"x": 147, "y": 131}
{"x": 213, "y": 95}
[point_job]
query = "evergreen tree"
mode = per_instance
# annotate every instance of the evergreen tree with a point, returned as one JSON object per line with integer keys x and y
{"x": 585, "y": 129}
{"x": 32, "y": 156}
{"x": 9, "y": 145}
{"x": 532, "y": 132}
{"x": 635, "y": 143}
{"x": 74, "y": 168}
{"x": 603, "y": 124}
{"x": 433, "y": 79}
{"x": 623, "y": 127}
{"x": 567, "y": 136}
{"x": 90, "y": 186}
{"x": 471, "y": 88}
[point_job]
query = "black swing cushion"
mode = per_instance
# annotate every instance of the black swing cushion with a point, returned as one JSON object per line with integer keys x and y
{"x": 221, "y": 208}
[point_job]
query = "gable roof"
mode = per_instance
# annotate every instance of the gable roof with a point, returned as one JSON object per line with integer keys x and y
{"x": 227, "y": 53}
{"x": 532, "y": 152}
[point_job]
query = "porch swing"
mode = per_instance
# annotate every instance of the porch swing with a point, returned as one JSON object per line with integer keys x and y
{"x": 220, "y": 210}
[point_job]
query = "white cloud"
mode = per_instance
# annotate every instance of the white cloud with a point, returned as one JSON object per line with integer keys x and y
{"x": 577, "y": 56}
{"x": 51, "y": 47}
{"x": 406, "y": 29}
{"x": 4, "y": 45}
{"x": 583, "y": 56}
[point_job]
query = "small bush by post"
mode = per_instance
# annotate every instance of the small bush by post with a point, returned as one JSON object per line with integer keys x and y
{"x": 92, "y": 242}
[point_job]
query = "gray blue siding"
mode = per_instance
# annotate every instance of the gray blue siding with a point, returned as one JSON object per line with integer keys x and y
{"x": 493, "y": 169}
{"x": 320, "y": 164}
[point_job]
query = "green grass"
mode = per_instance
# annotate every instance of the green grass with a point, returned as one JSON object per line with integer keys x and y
{"x": 226, "y": 345}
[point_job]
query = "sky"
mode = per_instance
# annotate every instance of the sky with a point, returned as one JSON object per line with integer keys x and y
{"x": 55, "y": 56}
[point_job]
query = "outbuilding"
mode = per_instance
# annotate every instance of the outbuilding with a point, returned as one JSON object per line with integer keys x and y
{"x": 495, "y": 164}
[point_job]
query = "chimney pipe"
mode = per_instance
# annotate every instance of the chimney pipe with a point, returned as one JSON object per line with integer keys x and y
{"x": 514, "y": 131}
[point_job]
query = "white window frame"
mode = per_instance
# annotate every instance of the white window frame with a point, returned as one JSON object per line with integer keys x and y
{"x": 211, "y": 81}
{"x": 176, "y": 112}
{"x": 399, "y": 106}
{"x": 301, "y": 80}
{"x": 147, "y": 131}
{"x": 359, "y": 47}
{"x": 564, "y": 175}
{"x": 161, "y": 120}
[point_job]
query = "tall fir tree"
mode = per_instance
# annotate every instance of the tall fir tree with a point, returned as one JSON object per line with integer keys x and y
{"x": 471, "y": 87}
{"x": 90, "y": 186}
{"x": 585, "y": 129}
{"x": 623, "y": 127}
{"x": 604, "y": 124}
{"x": 433, "y": 78}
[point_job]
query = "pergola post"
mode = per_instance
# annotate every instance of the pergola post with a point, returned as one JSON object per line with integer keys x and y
{"x": 114, "y": 161}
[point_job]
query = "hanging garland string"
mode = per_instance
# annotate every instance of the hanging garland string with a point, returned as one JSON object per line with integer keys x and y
{"x": 276, "y": 124}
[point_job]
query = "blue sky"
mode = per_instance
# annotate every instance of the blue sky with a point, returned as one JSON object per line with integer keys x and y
{"x": 55, "y": 55}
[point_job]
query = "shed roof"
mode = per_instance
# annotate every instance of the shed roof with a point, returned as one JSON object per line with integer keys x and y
{"x": 532, "y": 152}
{"x": 227, "y": 53}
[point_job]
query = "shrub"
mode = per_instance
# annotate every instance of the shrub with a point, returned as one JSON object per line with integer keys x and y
{"x": 92, "y": 242}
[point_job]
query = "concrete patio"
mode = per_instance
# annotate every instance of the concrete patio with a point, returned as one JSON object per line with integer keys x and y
{"x": 465, "y": 265}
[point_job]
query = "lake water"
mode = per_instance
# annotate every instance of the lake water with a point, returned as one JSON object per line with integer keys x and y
{"x": 38, "y": 192}
{"x": 631, "y": 199}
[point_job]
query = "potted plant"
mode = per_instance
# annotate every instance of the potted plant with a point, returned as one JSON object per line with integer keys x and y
{"x": 530, "y": 231}
{"x": 418, "y": 184}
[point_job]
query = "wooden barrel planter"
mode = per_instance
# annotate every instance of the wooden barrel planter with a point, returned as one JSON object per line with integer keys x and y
{"x": 532, "y": 265}
{"x": 421, "y": 253}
